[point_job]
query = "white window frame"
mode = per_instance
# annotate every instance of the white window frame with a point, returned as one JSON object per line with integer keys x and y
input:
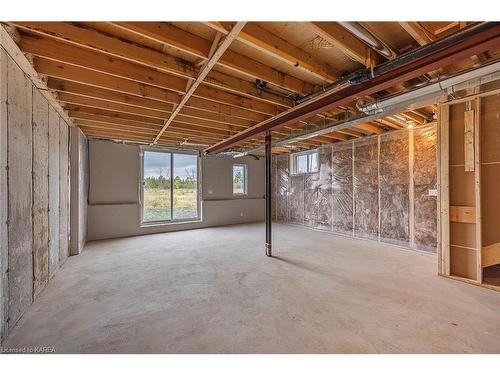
{"x": 293, "y": 161}
{"x": 245, "y": 180}
{"x": 141, "y": 186}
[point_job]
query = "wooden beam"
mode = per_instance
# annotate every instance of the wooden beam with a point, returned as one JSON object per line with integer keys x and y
{"x": 103, "y": 80}
{"x": 66, "y": 53}
{"x": 341, "y": 38}
{"x": 147, "y": 131}
{"x": 490, "y": 255}
{"x": 128, "y": 109}
{"x": 462, "y": 214}
{"x": 173, "y": 36}
{"x": 417, "y": 32}
{"x": 371, "y": 128}
{"x": 259, "y": 38}
{"x": 208, "y": 126}
{"x": 195, "y": 104}
{"x": 217, "y": 55}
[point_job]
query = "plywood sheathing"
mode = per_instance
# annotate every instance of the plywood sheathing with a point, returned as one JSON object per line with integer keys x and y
{"x": 461, "y": 193}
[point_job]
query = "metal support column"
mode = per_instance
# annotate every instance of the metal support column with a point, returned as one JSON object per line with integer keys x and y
{"x": 268, "y": 194}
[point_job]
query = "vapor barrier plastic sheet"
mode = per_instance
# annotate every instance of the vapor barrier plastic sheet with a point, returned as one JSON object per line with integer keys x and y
{"x": 282, "y": 187}
{"x": 357, "y": 187}
{"x": 394, "y": 181}
{"x": 365, "y": 181}
{"x": 342, "y": 188}
{"x": 296, "y": 200}
{"x": 325, "y": 188}
{"x": 425, "y": 188}
{"x": 311, "y": 189}
{"x": 274, "y": 174}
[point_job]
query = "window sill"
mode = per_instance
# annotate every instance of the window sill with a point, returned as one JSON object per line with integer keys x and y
{"x": 168, "y": 223}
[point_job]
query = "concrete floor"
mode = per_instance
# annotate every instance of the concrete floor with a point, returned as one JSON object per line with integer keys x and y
{"x": 213, "y": 291}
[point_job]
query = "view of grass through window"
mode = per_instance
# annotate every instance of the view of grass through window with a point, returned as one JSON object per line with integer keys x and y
{"x": 239, "y": 177}
{"x": 170, "y": 186}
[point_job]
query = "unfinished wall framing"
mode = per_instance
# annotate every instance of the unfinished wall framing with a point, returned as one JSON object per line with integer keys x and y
{"x": 381, "y": 188}
{"x": 34, "y": 203}
{"x": 469, "y": 174}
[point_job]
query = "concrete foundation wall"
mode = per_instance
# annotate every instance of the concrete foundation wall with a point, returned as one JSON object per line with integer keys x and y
{"x": 34, "y": 186}
{"x": 380, "y": 188}
{"x": 79, "y": 190}
{"x": 114, "y": 196}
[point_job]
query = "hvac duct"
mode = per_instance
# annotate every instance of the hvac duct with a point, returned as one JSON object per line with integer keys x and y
{"x": 407, "y": 101}
{"x": 460, "y": 82}
{"x": 368, "y": 38}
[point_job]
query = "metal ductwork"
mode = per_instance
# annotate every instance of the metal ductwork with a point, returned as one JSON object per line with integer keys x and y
{"x": 368, "y": 38}
{"x": 437, "y": 92}
{"x": 459, "y": 82}
{"x": 471, "y": 41}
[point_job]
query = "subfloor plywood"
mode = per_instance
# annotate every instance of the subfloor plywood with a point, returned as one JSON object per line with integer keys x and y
{"x": 213, "y": 291}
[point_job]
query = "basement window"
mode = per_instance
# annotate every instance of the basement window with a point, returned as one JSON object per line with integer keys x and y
{"x": 239, "y": 179}
{"x": 305, "y": 162}
{"x": 169, "y": 187}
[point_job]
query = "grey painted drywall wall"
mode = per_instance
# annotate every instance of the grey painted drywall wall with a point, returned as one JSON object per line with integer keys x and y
{"x": 79, "y": 190}
{"x": 114, "y": 196}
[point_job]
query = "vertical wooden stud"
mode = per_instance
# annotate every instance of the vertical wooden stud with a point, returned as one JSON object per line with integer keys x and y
{"x": 443, "y": 188}
{"x": 469, "y": 138}
{"x": 477, "y": 184}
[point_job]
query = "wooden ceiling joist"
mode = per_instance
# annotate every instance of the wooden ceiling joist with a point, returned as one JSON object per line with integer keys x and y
{"x": 66, "y": 53}
{"x": 175, "y": 37}
{"x": 417, "y": 32}
{"x": 79, "y": 74}
{"x": 200, "y": 105}
{"x": 209, "y": 127}
{"x": 341, "y": 38}
{"x": 215, "y": 123}
{"x": 208, "y": 65}
{"x": 132, "y": 80}
{"x": 259, "y": 38}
